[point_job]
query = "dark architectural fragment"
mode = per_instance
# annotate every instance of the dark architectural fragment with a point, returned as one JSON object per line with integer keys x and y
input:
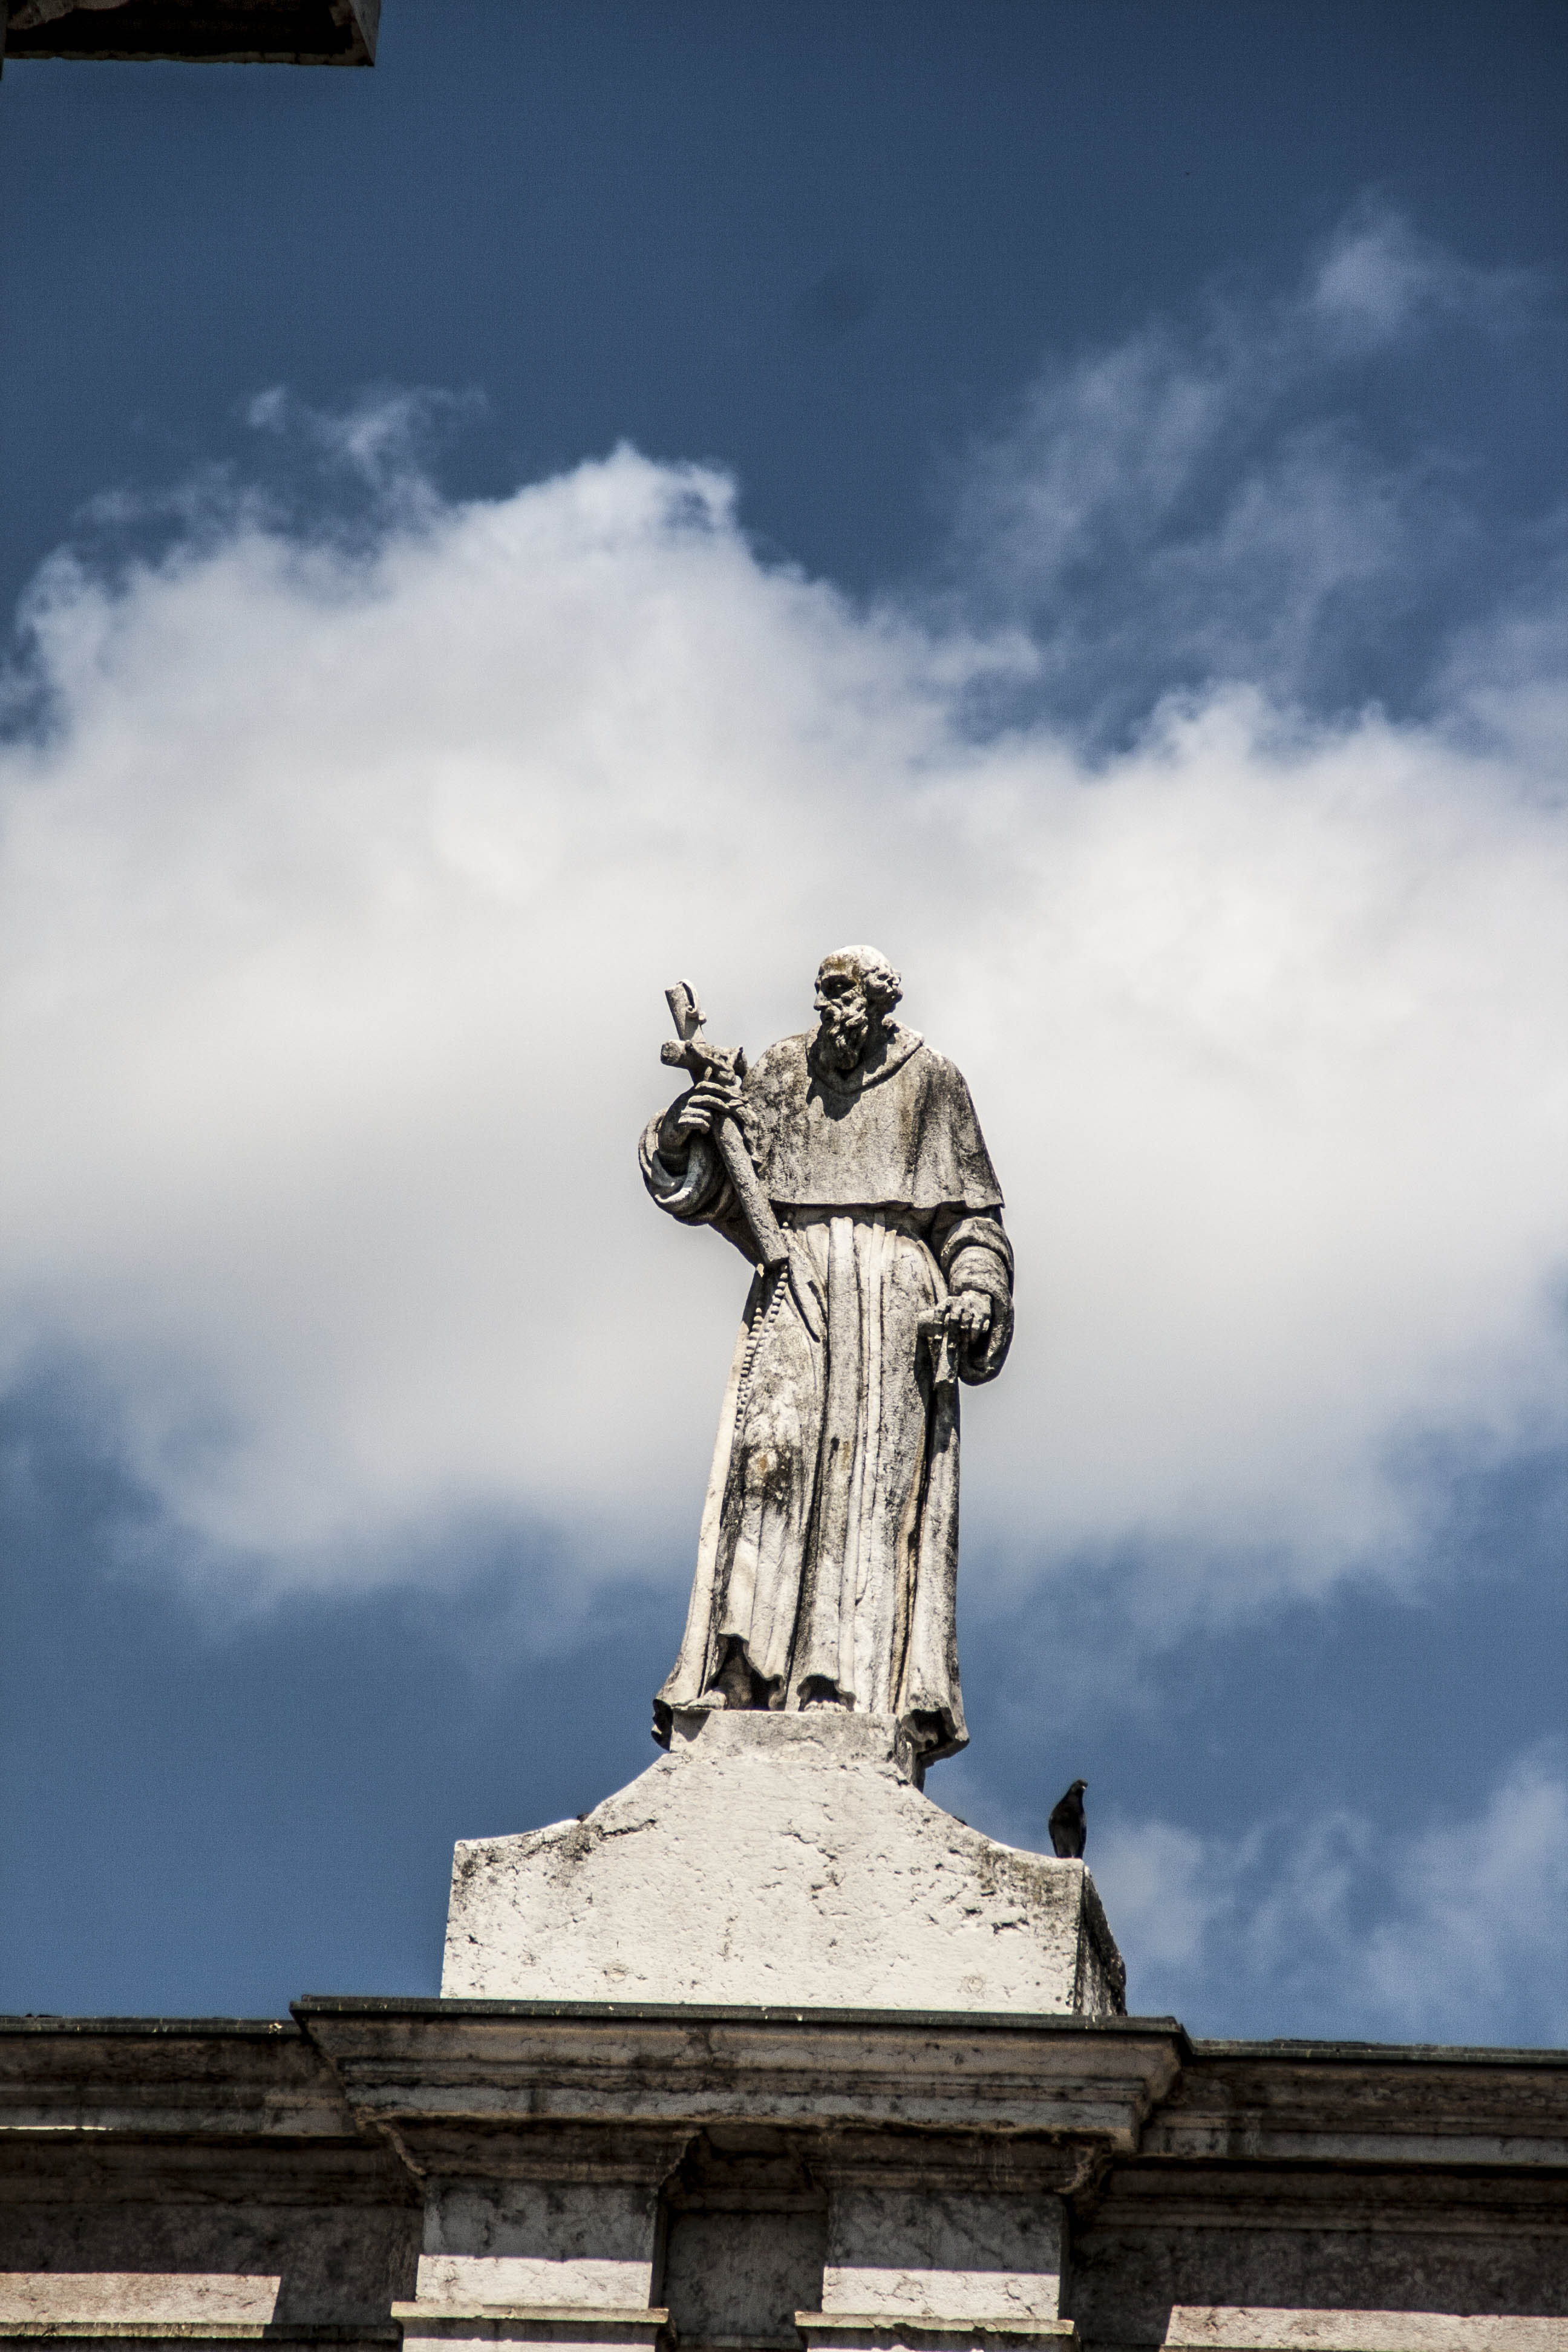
{"x": 205, "y": 32}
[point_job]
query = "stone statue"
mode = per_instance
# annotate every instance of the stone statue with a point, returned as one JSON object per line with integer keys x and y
{"x": 829, "y": 1553}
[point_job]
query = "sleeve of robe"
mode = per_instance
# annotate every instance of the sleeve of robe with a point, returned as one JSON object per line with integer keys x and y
{"x": 974, "y": 1254}
{"x": 699, "y": 1192}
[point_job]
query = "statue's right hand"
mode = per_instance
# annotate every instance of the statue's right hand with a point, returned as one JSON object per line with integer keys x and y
{"x": 713, "y": 1099}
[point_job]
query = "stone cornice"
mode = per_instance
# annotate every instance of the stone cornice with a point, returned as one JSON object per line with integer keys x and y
{"x": 354, "y": 2064}
{"x": 1362, "y": 2102}
{"x": 188, "y": 2076}
{"x": 408, "y": 2063}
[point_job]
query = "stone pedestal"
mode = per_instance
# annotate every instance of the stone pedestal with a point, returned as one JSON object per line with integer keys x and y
{"x": 787, "y": 1859}
{"x": 767, "y": 2050}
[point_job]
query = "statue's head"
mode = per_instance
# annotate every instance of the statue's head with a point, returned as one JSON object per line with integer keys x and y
{"x": 857, "y": 989}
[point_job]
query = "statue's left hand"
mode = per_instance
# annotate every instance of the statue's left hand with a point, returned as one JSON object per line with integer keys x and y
{"x": 969, "y": 1317}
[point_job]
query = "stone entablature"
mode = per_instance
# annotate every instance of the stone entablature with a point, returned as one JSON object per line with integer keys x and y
{"x": 517, "y": 2173}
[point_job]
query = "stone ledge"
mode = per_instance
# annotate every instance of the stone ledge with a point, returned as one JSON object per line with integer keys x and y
{"x": 186, "y": 2332}
{"x": 521, "y": 2323}
{"x": 1161, "y": 2200}
{"x": 190, "y": 2075}
{"x": 411, "y": 2007}
{"x": 1209, "y": 2327}
{"x": 882, "y": 2331}
{"x": 1364, "y": 2103}
{"x": 654, "y": 2314}
{"x": 443, "y": 2063}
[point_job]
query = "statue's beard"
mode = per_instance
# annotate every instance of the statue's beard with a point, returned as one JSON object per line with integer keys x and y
{"x": 842, "y": 1033}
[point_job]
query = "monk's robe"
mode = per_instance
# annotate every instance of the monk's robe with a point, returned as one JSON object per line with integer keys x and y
{"x": 828, "y": 1549}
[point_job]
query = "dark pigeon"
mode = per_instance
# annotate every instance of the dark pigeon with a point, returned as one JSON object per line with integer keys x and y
{"x": 1068, "y": 1826}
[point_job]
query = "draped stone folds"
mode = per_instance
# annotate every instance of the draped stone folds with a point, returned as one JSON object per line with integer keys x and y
{"x": 828, "y": 1556}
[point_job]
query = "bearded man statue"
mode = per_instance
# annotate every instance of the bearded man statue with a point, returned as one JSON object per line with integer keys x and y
{"x": 828, "y": 1555}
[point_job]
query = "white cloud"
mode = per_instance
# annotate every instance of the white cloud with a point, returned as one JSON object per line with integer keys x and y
{"x": 382, "y": 437}
{"x": 1377, "y": 280}
{"x": 1452, "y": 1934}
{"x": 1255, "y": 490}
{"x": 337, "y": 907}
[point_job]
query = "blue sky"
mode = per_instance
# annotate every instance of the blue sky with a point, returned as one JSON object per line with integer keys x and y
{"x": 1071, "y": 491}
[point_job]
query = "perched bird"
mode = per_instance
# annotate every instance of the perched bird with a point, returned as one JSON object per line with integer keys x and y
{"x": 1068, "y": 1826}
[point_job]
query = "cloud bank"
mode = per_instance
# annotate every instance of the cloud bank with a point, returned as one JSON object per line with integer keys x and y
{"x": 1281, "y": 487}
{"x": 1359, "y": 1932}
{"x": 343, "y": 874}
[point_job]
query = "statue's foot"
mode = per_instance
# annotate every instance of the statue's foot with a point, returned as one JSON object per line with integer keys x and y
{"x": 733, "y": 1685}
{"x": 819, "y": 1692}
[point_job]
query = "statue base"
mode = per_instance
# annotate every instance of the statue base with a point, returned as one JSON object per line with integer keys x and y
{"x": 781, "y": 1861}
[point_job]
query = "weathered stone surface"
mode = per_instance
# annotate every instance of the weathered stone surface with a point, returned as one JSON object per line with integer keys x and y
{"x": 170, "y": 2074}
{"x": 941, "y": 2252}
{"x": 194, "y": 2297}
{"x": 203, "y": 2176}
{"x": 778, "y": 1859}
{"x": 1348, "y": 2103}
{"x": 549, "y": 2243}
{"x": 849, "y": 1167}
{"x": 745, "y": 2222}
{"x": 979, "y": 2091}
{"x": 876, "y": 2332}
{"x": 1193, "y": 2327}
{"x": 1261, "y": 2198}
{"x": 523, "y": 2329}
{"x": 1287, "y": 2194}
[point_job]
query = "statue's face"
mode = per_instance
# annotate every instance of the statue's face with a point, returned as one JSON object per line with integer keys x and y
{"x": 843, "y": 1016}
